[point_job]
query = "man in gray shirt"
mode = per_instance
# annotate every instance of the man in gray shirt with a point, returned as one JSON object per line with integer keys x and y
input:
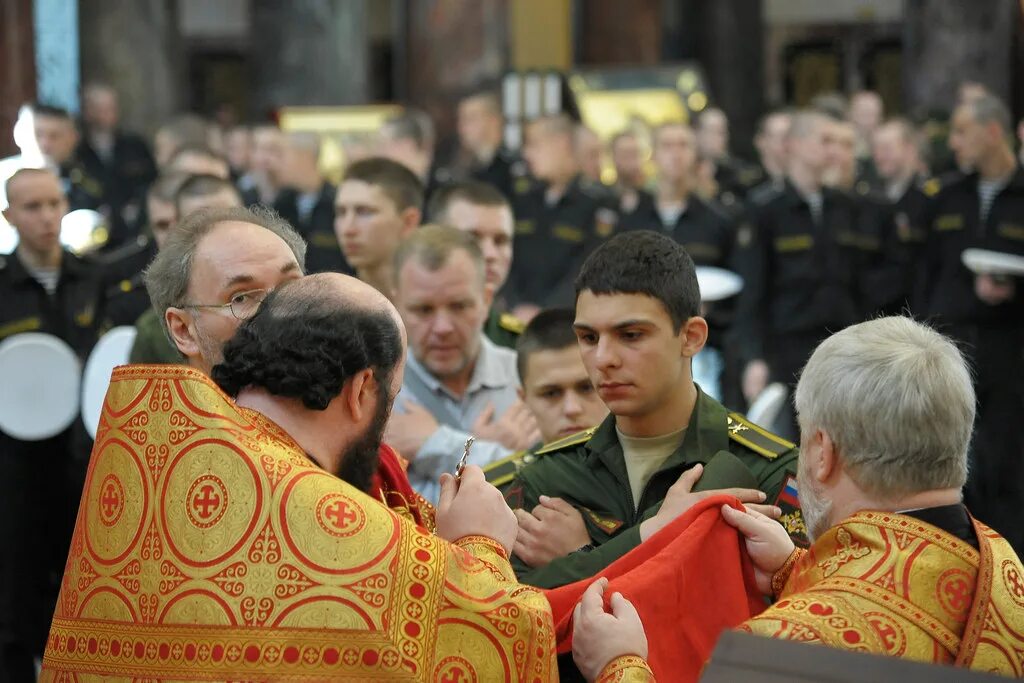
{"x": 457, "y": 382}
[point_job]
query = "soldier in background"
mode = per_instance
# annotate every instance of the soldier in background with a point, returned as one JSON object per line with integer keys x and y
{"x": 57, "y": 138}
{"x": 985, "y": 314}
{"x": 482, "y": 211}
{"x": 733, "y": 176}
{"x": 481, "y": 129}
{"x": 120, "y": 160}
{"x": 263, "y": 181}
{"x": 559, "y": 219}
{"x": 307, "y": 203}
{"x": 630, "y": 177}
{"x": 43, "y": 288}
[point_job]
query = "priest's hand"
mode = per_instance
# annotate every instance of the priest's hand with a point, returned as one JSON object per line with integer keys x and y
{"x": 598, "y": 637}
{"x": 472, "y": 507}
{"x": 768, "y": 543}
{"x": 552, "y": 530}
{"x": 409, "y": 429}
{"x": 680, "y": 498}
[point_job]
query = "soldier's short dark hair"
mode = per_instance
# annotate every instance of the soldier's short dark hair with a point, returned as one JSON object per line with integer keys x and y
{"x": 411, "y": 124}
{"x": 198, "y": 150}
{"x": 203, "y": 185}
{"x": 644, "y": 262}
{"x": 473, "y": 192}
{"x": 165, "y": 187}
{"x": 550, "y": 330}
{"x": 398, "y": 183}
{"x": 43, "y": 109}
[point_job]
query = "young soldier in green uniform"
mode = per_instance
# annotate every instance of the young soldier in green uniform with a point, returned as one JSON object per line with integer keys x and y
{"x": 638, "y": 327}
{"x": 555, "y": 388}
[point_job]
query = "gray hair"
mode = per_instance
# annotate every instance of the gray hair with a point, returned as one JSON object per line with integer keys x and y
{"x": 432, "y": 246}
{"x": 896, "y": 399}
{"x": 168, "y": 276}
{"x": 988, "y": 108}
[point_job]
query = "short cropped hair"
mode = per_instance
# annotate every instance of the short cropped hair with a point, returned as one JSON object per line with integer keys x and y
{"x": 805, "y": 122}
{"x": 397, "y": 182}
{"x": 475, "y": 192}
{"x": 203, "y": 185}
{"x": 988, "y": 108}
{"x": 165, "y": 187}
{"x": 168, "y": 276}
{"x": 432, "y": 245}
{"x": 413, "y": 125}
{"x": 644, "y": 262}
{"x": 199, "y": 150}
{"x": 48, "y": 110}
{"x": 305, "y": 344}
{"x": 22, "y": 173}
{"x": 897, "y": 401}
{"x": 550, "y": 330}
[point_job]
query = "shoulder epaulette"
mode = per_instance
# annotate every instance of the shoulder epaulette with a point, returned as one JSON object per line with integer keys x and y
{"x": 571, "y": 440}
{"x": 510, "y": 323}
{"x": 756, "y": 438}
{"x": 931, "y": 187}
{"x": 501, "y": 472}
{"x": 124, "y": 251}
{"x": 125, "y": 286}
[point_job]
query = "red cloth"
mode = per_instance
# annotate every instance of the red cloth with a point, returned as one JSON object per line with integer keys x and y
{"x": 689, "y": 582}
{"x": 390, "y": 484}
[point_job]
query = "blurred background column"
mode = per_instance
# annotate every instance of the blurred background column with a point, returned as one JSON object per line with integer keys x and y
{"x": 446, "y": 48}
{"x": 727, "y": 38}
{"x": 135, "y": 46}
{"x": 946, "y": 42}
{"x": 17, "y": 67}
{"x": 308, "y": 52}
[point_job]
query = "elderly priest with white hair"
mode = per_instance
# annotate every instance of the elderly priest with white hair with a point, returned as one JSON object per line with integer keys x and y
{"x": 898, "y": 566}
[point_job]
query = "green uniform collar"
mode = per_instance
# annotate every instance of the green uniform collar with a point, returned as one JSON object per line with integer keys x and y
{"x": 704, "y": 438}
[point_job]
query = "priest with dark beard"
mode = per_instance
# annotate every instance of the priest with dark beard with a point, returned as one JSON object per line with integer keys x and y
{"x": 223, "y": 539}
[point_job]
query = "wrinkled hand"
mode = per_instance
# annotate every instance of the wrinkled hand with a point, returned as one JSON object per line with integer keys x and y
{"x": 554, "y": 529}
{"x": 755, "y": 379}
{"x": 679, "y": 499}
{"x": 992, "y": 291}
{"x": 598, "y": 637}
{"x": 472, "y": 507}
{"x": 409, "y": 429}
{"x": 768, "y": 543}
{"x": 516, "y": 429}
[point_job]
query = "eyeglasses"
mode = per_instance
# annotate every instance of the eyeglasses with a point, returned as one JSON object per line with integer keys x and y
{"x": 242, "y": 305}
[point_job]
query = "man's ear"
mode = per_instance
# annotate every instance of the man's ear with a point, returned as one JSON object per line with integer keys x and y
{"x": 827, "y": 464}
{"x": 179, "y": 324}
{"x": 693, "y": 336}
{"x": 411, "y": 218}
{"x": 361, "y": 395}
{"x": 520, "y": 393}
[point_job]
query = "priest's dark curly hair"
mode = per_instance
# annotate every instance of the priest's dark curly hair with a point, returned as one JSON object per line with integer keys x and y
{"x": 305, "y": 344}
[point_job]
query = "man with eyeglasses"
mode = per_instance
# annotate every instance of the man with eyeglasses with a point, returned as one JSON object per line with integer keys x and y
{"x": 214, "y": 270}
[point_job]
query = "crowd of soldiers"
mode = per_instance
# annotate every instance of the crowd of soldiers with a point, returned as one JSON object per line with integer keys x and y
{"x": 846, "y": 215}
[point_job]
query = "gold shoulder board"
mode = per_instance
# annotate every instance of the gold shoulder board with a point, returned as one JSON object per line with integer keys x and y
{"x": 510, "y": 323}
{"x": 931, "y": 187}
{"x": 756, "y": 438}
{"x": 571, "y": 440}
{"x": 502, "y": 472}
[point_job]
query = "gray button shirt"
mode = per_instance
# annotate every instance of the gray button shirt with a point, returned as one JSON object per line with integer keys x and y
{"x": 494, "y": 381}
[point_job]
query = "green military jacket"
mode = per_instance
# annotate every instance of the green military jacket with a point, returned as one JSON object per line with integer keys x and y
{"x": 151, "y": 343}
{"x": 503, "y": 328}
{"x": 588, "y": 471}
